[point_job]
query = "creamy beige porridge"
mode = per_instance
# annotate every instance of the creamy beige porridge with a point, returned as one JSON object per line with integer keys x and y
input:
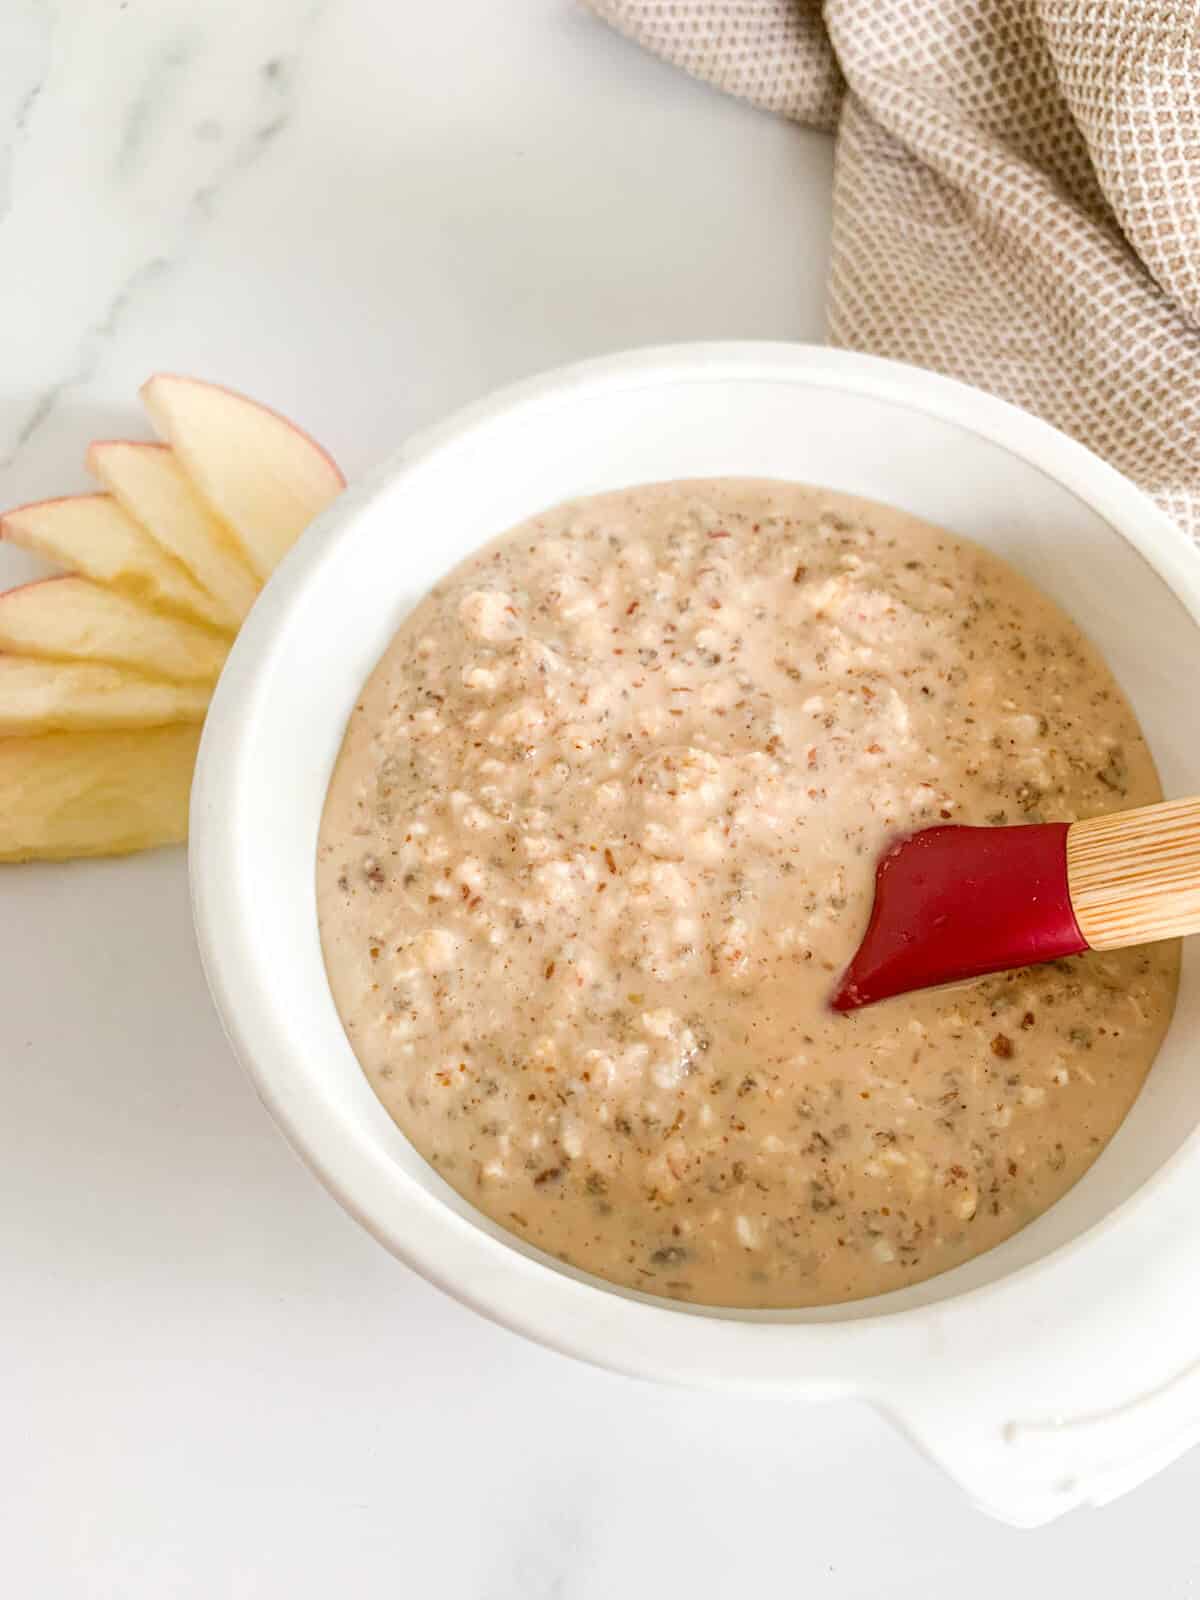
{"x": 602, "y": 836}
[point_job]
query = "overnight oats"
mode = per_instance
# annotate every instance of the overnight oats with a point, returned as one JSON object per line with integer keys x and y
{"x": 603, "y": 834}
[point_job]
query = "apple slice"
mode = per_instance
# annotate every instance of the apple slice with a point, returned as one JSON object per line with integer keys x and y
{"x": 150, "y": 484}
{"x": 61, "y": 696}
{"x": 77, "y": 620}
{"x": 90, "y": 534}
{"x": 261, "y": 476}
{"x": 95, "y": 794}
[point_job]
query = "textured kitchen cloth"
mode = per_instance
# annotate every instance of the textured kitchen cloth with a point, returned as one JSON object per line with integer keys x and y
{"x": 1016, "y": 194}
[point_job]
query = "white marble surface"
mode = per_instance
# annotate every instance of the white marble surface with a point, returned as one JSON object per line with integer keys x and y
{"x": 212, "y": 1384}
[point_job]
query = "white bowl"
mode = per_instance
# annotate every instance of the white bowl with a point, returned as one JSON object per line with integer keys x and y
{"x": 1057, "y": 1369}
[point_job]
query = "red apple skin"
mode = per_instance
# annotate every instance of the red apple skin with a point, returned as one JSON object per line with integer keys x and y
{"x": 33, "y": 583}
{"x": 185, "y": 596}
{"x": 236, "y": 394}
{"x": 52, "y": 500}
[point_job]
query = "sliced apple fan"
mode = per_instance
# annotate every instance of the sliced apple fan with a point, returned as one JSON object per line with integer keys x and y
{"x": 106, "y": 673}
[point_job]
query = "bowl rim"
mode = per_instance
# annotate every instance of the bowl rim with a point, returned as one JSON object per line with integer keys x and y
{"x": 576, "y": 1315}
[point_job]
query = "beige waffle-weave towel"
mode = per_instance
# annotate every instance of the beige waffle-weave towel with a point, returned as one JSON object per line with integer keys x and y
{"x": 1016, "y": 194}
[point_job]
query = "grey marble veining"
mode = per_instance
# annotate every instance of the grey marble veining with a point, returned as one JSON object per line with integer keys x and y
{"x": 24, "y": 62}
{"x": 139, "y": 154}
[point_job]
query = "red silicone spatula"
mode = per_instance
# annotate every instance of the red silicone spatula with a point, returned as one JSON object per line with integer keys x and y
{"x": 956, "y": 902}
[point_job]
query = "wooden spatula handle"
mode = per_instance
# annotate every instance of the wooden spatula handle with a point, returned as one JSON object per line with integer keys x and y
{"x": 1134, "y": 876}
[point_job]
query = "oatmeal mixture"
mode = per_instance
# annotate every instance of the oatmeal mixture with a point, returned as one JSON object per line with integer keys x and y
{"x": 603, "y": 835}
